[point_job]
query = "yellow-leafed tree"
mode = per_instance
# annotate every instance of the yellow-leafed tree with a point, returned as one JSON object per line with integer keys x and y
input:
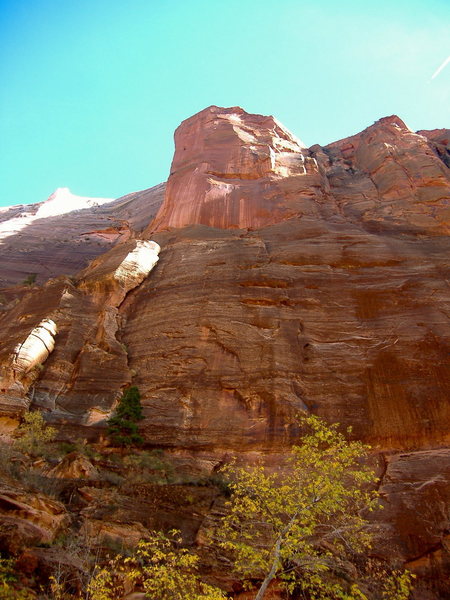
{"x": 305, "y": 525}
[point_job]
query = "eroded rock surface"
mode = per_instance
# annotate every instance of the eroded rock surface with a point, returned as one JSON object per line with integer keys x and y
{"x": 256, "y": 326}
{"x": 28, "y": 518}
{"x": 395, "y": 179}
{"x": 289, "y": 279}
{"x": 61, "y": 235}
{"x": 121, "y": 271}
{"x": 74, "y": 466}
{"x": 85, "y": 313}
{"x": 230, "y": 170}
{"x": 36, "y": 348}
{"x": 415, "y": 491}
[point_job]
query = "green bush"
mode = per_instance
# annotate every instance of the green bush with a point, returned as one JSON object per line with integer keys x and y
{"x": 67, "y": 447}
{"x": 30, "y": 280}
{"x": 113, "y": 478}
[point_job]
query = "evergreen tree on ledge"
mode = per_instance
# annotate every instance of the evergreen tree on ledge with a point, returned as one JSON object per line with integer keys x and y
{"x": 122, "y": 426}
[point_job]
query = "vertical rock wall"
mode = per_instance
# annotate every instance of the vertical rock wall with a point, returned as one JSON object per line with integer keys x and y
{"x": 289, "y": 279}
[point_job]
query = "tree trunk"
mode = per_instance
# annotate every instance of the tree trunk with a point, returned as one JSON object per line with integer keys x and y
{"x": 273, "y": 571}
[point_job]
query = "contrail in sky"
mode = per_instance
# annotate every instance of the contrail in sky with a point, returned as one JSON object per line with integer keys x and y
{"x": 444, "y": 64}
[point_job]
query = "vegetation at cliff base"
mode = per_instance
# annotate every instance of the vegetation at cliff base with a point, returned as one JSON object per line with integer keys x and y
{"x": 10, "y": 588}
{"x": 305, "y": 526}
{"x": 300, "y": 531}
{"x": 122, "y": 426}
{"x": 30, "y": 280}
{"x": 159, "y": 566}
{"x": 33, "y": 435}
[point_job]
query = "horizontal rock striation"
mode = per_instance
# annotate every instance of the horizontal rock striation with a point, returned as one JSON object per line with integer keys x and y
{"x": 289, "y": 279}
{"x": 254, "y": 327}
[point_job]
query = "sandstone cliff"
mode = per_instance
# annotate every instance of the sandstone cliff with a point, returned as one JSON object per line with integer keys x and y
{"x": 289, "y": 279}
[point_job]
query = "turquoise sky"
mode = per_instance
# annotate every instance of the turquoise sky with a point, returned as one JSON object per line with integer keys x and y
{"x": 92, "y": 90}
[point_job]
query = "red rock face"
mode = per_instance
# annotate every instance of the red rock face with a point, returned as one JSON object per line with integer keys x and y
{"x": 235, "y": 170}
{"x": 393, "y": 176}
{"x": 229, "y": 171}
{"x": 289, "y": 279}
{"x": 415, "y": 493}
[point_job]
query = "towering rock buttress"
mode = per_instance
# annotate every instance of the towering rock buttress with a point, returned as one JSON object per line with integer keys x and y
{"x": 228, "y": 170}
{"x": 233, "y": 170}
{"x": 288, "y": 279}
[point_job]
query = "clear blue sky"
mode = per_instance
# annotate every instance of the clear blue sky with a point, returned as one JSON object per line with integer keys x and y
{"x": 92, "y": 90}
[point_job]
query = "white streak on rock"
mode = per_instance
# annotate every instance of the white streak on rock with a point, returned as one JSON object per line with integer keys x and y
{"x": 137, "y": 264}
{"x": 36, "y": 348}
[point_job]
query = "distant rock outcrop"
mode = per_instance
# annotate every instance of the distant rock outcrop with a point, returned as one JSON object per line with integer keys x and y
{"x": 61, "y": 235}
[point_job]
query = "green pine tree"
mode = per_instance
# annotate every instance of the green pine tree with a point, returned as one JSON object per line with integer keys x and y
{"x": 122, "y": 427}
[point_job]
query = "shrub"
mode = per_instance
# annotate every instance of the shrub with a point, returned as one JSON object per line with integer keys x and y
{"x": 148, "y": 467}
{"x": 35, "y": 481}
{"x": 9, "y": 587}
{"x": 33, "y": 435}
{"x": 160, "y": 567}
{"x": 30, "y": 280}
